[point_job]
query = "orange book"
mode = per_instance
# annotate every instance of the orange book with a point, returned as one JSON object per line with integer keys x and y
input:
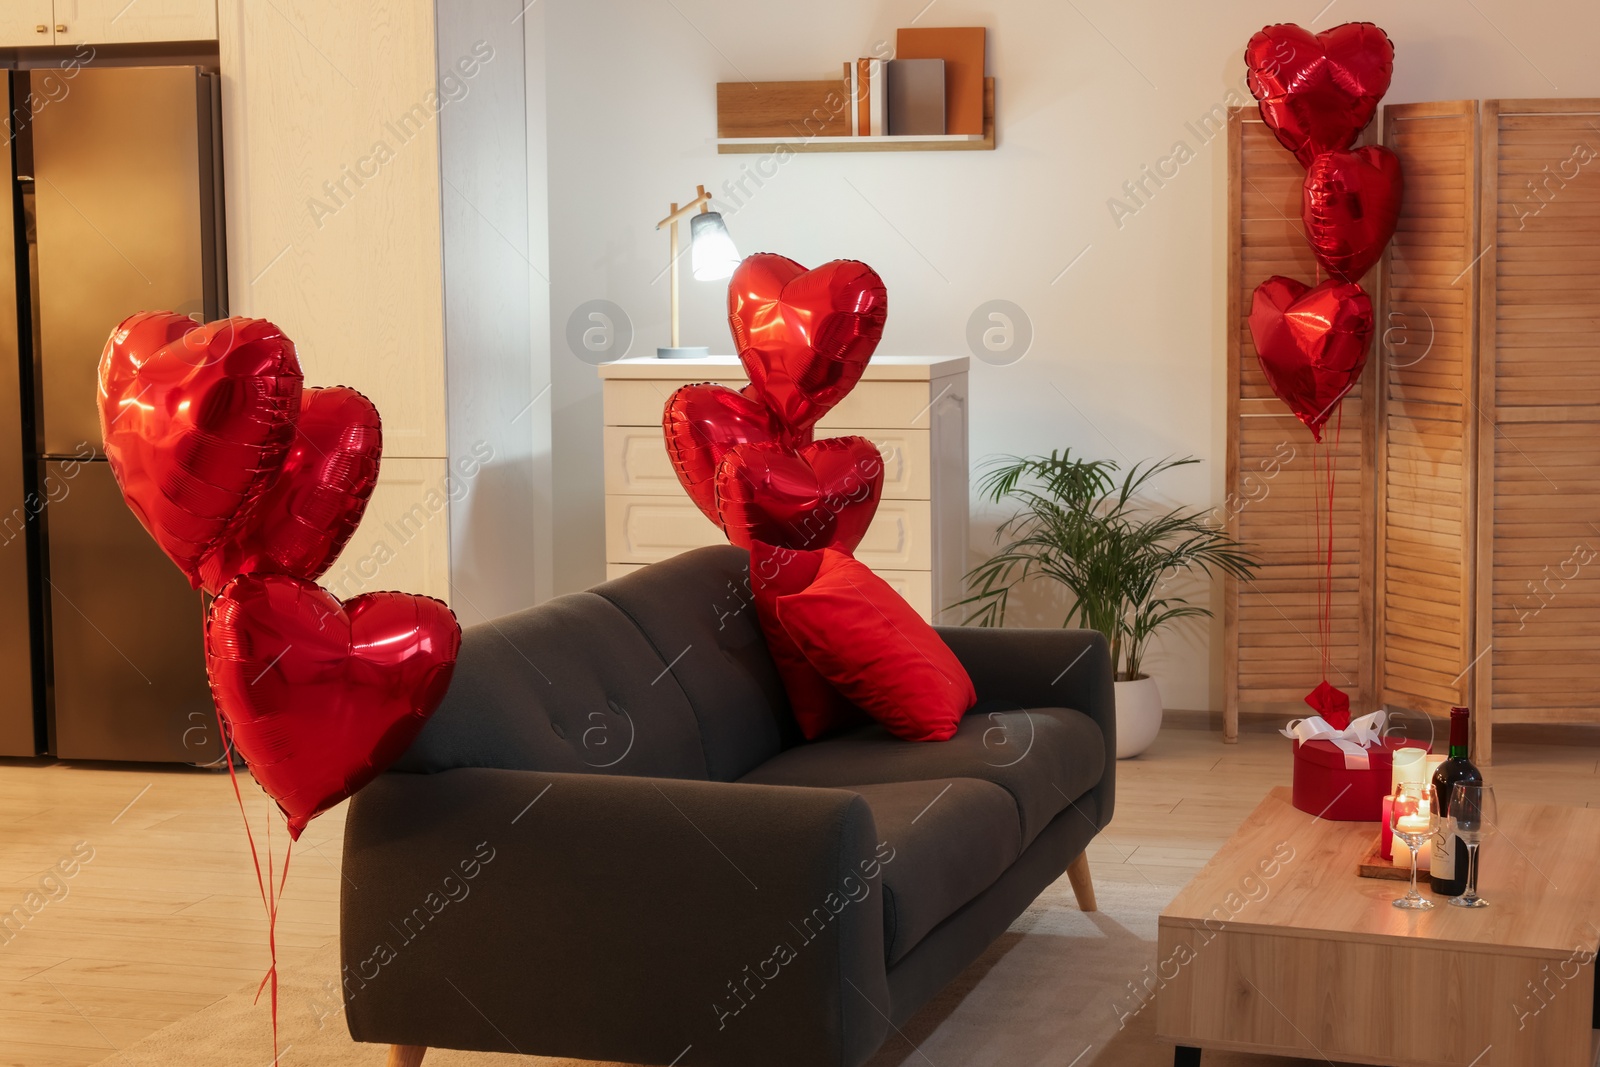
{"x": 863, "y": 99}
{"x": 961, "y": 48}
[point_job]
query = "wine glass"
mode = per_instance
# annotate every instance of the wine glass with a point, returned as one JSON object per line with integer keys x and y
{"x": 1414, "y": 822}
{"x": 1472, "y": 809}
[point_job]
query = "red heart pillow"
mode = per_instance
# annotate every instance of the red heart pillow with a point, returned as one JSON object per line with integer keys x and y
{"x": 817, "y": 705}
{"x": 1350, "y": 205}
{"x": 822, "y": 496}
{"x": 301, "y": 523}
{"x": 702, "y": 424}
{"x": 1311, "y": 343}
{"x": 877, "y": 651}
{"x": 196, "y": 422}
{"x": 1318, "y": 92}
{"x": 321, "y": 697}
{"x": 804, "y": 336}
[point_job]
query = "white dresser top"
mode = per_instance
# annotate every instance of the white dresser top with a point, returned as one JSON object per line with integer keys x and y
{"x": 880, "y": 369}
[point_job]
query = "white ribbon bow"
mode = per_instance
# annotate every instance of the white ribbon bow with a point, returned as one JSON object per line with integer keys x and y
{"x": 1352, "y": 741}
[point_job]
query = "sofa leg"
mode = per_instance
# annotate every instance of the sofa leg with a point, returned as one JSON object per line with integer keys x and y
{"x": 1082, "y": 884}
{"x": 406, "y": 1055}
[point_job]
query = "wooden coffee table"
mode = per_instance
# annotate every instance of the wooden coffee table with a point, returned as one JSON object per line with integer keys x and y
{"x": 1278, "y": 947}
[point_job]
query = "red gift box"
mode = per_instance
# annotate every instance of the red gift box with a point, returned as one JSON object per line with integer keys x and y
{"x": 1325, "y": 786}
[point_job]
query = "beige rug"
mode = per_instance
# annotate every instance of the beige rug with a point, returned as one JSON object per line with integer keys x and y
{"x": 1048, "y": 993}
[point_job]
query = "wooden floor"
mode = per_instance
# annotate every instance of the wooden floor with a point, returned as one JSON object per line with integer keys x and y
{"x": 166, "y": 918}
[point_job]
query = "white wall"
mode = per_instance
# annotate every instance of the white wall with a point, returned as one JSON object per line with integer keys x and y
{"x": 1128, "y": 352}
{"x": 495, "y": 391}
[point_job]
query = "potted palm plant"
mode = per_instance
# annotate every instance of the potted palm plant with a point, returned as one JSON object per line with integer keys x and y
{"x": 1077, "y": 525}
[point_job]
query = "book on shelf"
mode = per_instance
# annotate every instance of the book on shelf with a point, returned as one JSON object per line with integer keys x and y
{"x": 914, "y": 89}
{"x": 962, "y": 49}
{"x": 852, "y": 81}
{"x": 875, "y": 97}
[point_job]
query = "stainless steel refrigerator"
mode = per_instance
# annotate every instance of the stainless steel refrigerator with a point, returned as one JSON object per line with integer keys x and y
{"x": 115, "y": 201}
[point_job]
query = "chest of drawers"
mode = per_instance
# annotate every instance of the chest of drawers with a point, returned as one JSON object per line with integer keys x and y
{"x": 914, "y": 408}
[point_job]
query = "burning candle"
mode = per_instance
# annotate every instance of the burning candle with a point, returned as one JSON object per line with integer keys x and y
{"x": 1411, "y": 815}
{"x": 1386, "y": 833}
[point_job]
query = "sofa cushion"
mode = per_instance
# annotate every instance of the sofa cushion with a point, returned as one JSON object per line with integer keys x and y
{"x": 818, "y": 707}
{"x": 696, "y": 610}
{"x": 874, "y": 648}
{"x": 1044, "y": 757}
{"x": 952, "y": 838}
{"x": 570, "y": 685}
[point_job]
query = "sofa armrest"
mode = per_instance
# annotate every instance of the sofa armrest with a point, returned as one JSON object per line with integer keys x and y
{"x": 1045, "y": 668}
{"x": 614, "y": 918}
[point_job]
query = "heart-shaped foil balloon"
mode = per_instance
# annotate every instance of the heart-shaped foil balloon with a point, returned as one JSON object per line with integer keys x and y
{"x": 804, "y": 336}
{"x": 1311, "y": 342}
{"x": 1350, "y": 205}
{"x": 821, "y": 496}
{"x": 321, "y": 697}
{"x": 301, "y": 523}
{"x": 1319, "y": 91}
{"x": 196, "y": 422}
{"x": 702, "y": 424}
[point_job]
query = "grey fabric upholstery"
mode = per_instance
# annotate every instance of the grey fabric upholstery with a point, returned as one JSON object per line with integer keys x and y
{"x": 568, "y": 686}
{"x": 620, "y": 918}
{"x": 695, "y": 609}
{"x": 1042, "y": 757}
{"x": 952, "y": 839}
{"x": 610, "y": 842}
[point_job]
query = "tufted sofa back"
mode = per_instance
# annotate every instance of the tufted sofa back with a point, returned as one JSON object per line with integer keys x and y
{"x": 661, "y": 673}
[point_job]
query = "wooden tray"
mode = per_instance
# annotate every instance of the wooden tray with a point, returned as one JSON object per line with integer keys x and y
{"x": 1373, "y": 865}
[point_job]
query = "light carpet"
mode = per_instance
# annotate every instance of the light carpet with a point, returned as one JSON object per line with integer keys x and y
{"x": 1051, "y": 992}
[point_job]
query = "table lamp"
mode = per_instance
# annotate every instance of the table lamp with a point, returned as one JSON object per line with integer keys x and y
{"x": 711, "y": 257}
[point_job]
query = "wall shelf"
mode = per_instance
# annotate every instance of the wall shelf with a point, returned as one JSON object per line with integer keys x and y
{"x": 805, "y": 140}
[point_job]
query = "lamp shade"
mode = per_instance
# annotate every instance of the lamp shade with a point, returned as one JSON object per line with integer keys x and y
{"x": 712, "y": 255}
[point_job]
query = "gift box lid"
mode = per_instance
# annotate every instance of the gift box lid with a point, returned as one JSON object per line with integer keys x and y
{"x": 1380, "y": 755}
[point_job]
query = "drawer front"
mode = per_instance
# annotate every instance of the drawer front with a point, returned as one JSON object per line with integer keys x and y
{"x": 899, "y": 405}
{"x": 636, "y": 462}
{"x": 915, "y": 586}
{"x": 648, "y": 529}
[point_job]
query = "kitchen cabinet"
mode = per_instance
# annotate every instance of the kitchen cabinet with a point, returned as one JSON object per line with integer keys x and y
{"x": 25, "y": 23}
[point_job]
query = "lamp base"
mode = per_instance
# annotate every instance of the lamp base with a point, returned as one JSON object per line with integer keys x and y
{"x": 687, "y": 352}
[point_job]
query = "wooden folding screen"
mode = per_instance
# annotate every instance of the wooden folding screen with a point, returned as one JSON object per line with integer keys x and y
{"x": 1481, "y": 540}
{"x": 1538, "y": 604}
{"x": 1426, "y": 418}
{"x": 1272, "y": 653}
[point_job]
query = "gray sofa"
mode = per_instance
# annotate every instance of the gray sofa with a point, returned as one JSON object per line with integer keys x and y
{"x": 611, "y": 842}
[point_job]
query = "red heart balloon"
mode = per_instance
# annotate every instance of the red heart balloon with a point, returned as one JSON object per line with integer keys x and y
{"x": 1318, "y": 92}
{"x": 303, "y": 521}
{"x": 822, "y": 496}
{"x": 1312, "y": 343}
{"x": 703, "y": 423}
{"x": 804, "y": 336}
{"x": 196, "y": 421}
{"x": 319, "y": 697}
{"x": 1350, "y": 205}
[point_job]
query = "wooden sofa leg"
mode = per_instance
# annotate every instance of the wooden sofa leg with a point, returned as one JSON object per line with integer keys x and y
{"x": 406, "y": 1055}
{"x": 1082, "y": 884}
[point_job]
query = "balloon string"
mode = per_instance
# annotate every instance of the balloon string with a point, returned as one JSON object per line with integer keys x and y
{"x": 1316, "y": 537}
{"x": 263, "y": 885}
{"x": 1338, "y": 433}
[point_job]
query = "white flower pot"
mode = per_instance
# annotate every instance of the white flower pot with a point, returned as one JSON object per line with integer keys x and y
{"x": 1138, "y": 715}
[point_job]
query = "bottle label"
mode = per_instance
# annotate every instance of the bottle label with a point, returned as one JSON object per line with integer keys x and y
{"x": 1443, "y": 865}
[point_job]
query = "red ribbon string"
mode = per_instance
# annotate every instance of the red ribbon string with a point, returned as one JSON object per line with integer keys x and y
{"x": 270, "y": 893}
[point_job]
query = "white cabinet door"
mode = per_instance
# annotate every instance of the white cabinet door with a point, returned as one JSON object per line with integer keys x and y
{"x": 125, "y": 21}
{"x": 26, "y": 22}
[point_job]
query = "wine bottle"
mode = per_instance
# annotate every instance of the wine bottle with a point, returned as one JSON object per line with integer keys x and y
{"x": 1448, "y": 873}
